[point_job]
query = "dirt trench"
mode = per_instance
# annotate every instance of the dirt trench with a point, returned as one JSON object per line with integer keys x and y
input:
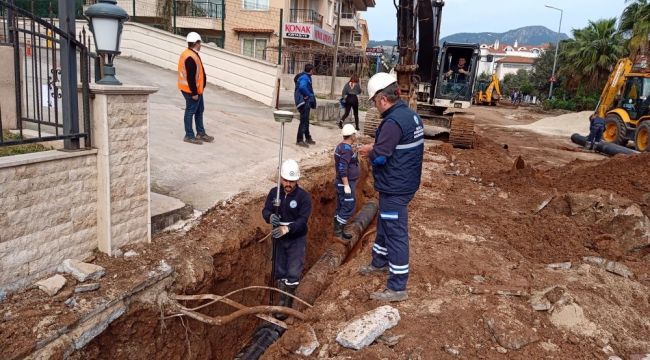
{"x": 219, "y": 255}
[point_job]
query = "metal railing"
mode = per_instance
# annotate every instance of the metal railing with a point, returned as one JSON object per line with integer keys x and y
{"x": 39, "y": 97}
{"x": 307, "y": 16}
{"x": 209, "y": 9}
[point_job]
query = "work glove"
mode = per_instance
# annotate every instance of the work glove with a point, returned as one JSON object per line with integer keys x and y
{"x": 275, "y": 220}
{"x": 347, "y": 190}
{"x": 280, "y": 231}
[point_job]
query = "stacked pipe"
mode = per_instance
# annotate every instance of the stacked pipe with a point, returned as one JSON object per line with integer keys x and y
{"x": 603, "y": 146}
{"x": 314, "y": 282}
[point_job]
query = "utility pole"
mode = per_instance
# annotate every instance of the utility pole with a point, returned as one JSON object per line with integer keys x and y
{"x": 336, "y": 48}
{"x": 557, "y": 46}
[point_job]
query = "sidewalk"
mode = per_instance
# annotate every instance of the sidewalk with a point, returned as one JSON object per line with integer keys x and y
{"x": 243, "y": 155}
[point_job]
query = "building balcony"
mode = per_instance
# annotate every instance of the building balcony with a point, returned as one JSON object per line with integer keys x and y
{"x": 305, "y": 16}
{"x": 350, "y": 21}
{"x": 363, "y": 5}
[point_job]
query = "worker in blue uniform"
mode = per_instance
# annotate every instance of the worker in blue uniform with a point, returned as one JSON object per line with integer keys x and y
{"x": 346, "y": 163}
{"x": 396, "y": 158}
{"x": 289, "y": 229}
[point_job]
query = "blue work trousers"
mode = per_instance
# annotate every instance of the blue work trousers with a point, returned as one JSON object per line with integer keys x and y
{"x": 303, "y": 128}
{"x": 290, "y": 259}
{"x": 391, "y": 246}
{"x": 345, "y": 204}
{"x": 596, "y": 130}
{"x": 193, "y": 109}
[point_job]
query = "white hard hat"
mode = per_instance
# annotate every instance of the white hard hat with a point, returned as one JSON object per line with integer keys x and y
{"x": 290, "y": 170}
{"x": 378, "y": 82}
{"x": 193, "y": 37}
{"x": 348, "y": 130}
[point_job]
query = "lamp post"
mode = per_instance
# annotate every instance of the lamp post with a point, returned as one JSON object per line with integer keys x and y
{"x": 557, "y": 46}
{"x": 105, "y": 21}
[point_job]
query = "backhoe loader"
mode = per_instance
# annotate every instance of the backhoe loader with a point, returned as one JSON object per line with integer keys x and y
{"x": 624, "y": 103}
{"x": 487, "y": 93}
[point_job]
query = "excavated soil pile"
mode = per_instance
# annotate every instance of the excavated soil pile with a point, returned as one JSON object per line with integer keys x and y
{"x": 480, "y": 246}
{"x": 562, "y": 125}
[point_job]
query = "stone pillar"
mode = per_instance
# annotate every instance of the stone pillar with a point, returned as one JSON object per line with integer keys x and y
{"x": 120, "y": 132}
{"x": 7, "y": 88}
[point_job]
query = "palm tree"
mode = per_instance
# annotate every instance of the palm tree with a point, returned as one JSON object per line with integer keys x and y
{"x": 635, "y": 24}
{"x": 593, "y": 52}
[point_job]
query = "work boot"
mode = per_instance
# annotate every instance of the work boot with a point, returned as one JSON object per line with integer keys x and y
{"x": 285, "y": 300}
{"x": 339, "y": 231}
{"x": 310, "y": 141}
{"x": 205, "y": 137}
{"x": 389, "y": 295}
{"x": 340, "y": 124}
{"x": 369, "y": 269}
{"x": 302, "y": 144}
{"x": 193, "y": 140}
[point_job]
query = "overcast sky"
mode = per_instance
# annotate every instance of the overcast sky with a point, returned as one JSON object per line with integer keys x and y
{"x": 498, "y": 15}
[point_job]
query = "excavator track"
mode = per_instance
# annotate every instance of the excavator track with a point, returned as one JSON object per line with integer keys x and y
{"x": 461, "y": 133}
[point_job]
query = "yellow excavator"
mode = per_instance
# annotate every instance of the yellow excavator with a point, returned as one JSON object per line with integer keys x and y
{"x": 625, "y": 101}
{"x": 487, "y": 93}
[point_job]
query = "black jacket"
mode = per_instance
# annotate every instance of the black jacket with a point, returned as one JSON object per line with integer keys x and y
{"x": 295, "y": 209}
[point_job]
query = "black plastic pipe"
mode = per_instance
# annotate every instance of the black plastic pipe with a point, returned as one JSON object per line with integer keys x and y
{"x": 604, "y": 146}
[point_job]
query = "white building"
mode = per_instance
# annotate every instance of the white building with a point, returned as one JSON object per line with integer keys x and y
{"x": 504, "y": 59}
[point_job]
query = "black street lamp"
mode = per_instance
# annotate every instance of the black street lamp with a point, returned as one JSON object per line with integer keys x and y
{"x": 105, "y": 19}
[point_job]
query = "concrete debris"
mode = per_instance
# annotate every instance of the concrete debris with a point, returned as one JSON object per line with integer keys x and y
{"x": 634, "y": 210}
{"x": 361, "y": 332}
{"x": 502, "y": 350}
{"x": 546, "y": 201}
{"x": 611, "y": 266}
{"x": 453, "y": 350}
{"x": 479, "y": 279}
{"x": 80, "y": 270}
{"x": 71, "y": 302}
{"x": 309, "y": 341}
{"x": 571, "y": 317}
{"x": 118, "y": 253}
{"x": 130, "y": 253}
{"x": 389, "y": 340}
{"x": 540, "y": 303}
{"x": 503, "y": 195}
{"x": 608, "y": 350}
{"x": 344, "y": 294}
{"x": 549, "y": 346}
{"x": 509, "y": 332}
{"x": 51, "y": 285}
{"x": 86, "y": 287}
{"x": 559, "y": 266}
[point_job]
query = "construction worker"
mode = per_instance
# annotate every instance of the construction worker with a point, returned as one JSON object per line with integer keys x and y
{"x": 191, "y": 82}
{"x": 347, "y": 174}
{"x": 396, "y": 158}
{"x": 596, "y": 129}
{"x": 289, "y": 229}
{"x": 305, "y": 101}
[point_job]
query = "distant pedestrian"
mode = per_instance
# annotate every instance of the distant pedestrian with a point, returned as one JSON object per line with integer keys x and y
{"x": 396, "y": 158}
{"x": 305, "y": 101}
{"x": 596, "y": 129}
{"x": 351, "y": 90}
{"x": 346, "y": 164}
{"x": 191, "y": 82}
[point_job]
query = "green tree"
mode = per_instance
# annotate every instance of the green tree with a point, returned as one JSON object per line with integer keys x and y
{"x": 635, "y": 24}
{"x": 593, "y": 52}
{"x": 542, "y": 70}
{"x": 520, "y": 82}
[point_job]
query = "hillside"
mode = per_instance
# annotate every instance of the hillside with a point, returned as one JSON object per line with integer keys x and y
{"x": 528, "y": 35}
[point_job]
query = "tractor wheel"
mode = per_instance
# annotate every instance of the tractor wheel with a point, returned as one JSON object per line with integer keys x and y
{"x": 642, "y": 137}
{"x": 615, "y": 130}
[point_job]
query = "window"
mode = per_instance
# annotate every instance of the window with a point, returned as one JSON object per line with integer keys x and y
{"x": 254, "y": 48}
{"x": 256, "y": 4}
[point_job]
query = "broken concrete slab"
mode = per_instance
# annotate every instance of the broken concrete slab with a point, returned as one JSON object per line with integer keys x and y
{"x": 309, "y": 341}
{"x": 86, "y": 287}
{"x": 361, "y": 332}
{"x": 571, "y": 317}
{"x": 595, "y": 260}
{"x": 51, "y": 285}
{"x": 80, "y": 270}
{"x": 559, "y": 266}
{"x": 619, "y": 269}
{"x": 509, "y": 332}
{"x": 130, "y": 253}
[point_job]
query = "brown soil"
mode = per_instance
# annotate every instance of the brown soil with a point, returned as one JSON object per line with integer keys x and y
{"x": 474, "y": 230}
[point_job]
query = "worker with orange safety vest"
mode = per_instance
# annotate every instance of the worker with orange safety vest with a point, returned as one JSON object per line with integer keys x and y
{"x": 191, "y": 82}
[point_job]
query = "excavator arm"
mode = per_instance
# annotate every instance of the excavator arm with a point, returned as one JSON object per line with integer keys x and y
{"x": 490, "y": 91}
{"x": 613, "y": 86}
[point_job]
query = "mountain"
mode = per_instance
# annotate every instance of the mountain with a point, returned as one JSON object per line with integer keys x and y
{"x": 528, "y": 35}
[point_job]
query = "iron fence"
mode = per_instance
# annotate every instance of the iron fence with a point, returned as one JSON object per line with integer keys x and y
{"x": 209, "y": 9}
{"x": 305, "y": 16}
{"x": 39, "y": 99}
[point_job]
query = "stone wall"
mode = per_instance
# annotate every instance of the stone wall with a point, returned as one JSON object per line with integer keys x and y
{"x": 48, "y": 212}
{"x": 7, "y": 88}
